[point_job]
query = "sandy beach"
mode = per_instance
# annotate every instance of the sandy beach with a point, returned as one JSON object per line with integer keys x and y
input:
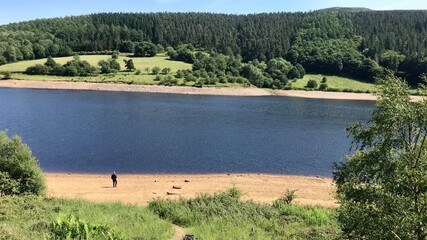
{"x": 229, "y": 91}
{"x": 140, "y": 189}
{"x": 120, "y": 87}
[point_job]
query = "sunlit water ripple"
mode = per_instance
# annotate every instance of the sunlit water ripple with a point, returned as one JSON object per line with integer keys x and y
{"x": 98, "y": 132}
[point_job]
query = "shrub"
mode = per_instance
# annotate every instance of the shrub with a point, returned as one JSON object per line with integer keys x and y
{"x": 168, "y": 81}
{"x": 105, "y": 66}
{"x": 234, "y": 192}
{"x": 50, "y": 62}
{"x": 138, "y": 72}
{"x": 289, "y": 196}
{"x": 71, "y": 227}
{"x": 300, "y": 69}
{"x": 155, "y": 70}
{"x": 70, "y": 71}
{"x": 198, "y": 84}
{"x": 294, "y": 73}
{"x": 114, "y": 65}
{"x": 38, "y": 69}
{"x": 157, "y": 78}
{"x": 312, "y": 84}
{"x": 323, "y": 86}
{"x": 77, "y": 67}
{"x": 7, "y": 75}
{"x": 179, "y": 74}
{"x": 223, "y": 80}
{"x": 324, "y": 79}
{"x": 19, "y": 170}
{"x": 145, "y": 49}
{"x": 115, "y": 54}
{"x": 109, "y": 66}
{"x": 231, "y": 79}
{"x": 8, "y": 186}
{"x": 3, "y": 60}
{"x": 190, "y": 77}
{"x": 166, "y": 71}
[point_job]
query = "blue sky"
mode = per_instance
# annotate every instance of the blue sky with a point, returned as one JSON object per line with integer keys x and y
{"x": 22, "y": 10}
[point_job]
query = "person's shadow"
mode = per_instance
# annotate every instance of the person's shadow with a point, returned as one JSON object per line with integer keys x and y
{"x": 106, "y": 187}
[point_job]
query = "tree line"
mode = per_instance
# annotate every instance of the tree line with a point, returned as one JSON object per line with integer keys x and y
{"x": 355, "y": 44}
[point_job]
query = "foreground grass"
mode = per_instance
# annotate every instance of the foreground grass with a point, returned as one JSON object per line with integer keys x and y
{"x": 31, "y": 217}
{"x": 336, "y": 83}
{"x": 225, "y": 216}
{"x": 219, "y": 216}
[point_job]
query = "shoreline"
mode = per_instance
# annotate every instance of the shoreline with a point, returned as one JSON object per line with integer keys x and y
{"x": 139, "y": 189}
{"x": 215, "y": 91}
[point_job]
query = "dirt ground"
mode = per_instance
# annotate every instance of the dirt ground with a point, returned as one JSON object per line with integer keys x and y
{"x": 140, "y": 189}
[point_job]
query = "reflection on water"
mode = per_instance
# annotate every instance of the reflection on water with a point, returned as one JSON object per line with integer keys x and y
{"x": 98, "y": 132}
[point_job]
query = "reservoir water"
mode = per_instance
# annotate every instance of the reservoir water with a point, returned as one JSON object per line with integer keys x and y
{"x": 101, "y": 132}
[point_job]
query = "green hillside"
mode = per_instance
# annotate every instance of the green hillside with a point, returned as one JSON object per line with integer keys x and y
{"x": 350, "y": 42}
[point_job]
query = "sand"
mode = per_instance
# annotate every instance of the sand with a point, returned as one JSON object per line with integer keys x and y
{"x": 219, "y": 91}
{"x": 140, "y": 189}
{"x": 224, "y": 91}
{"x": 327, "y": 95}
{"x": 119, "y": 87}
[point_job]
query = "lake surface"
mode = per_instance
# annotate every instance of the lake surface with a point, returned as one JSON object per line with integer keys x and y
{"x": 101, "y": 132}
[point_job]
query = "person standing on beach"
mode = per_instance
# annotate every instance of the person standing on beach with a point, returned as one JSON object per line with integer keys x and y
{"x": 114, "y": 178}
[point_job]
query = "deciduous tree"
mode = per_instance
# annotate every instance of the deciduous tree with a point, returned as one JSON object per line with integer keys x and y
{"x": 130, "y": 66}
{"x": 19, "y": 170}
{"x": 145, "y": 49}
{"x": 382, "y": 187}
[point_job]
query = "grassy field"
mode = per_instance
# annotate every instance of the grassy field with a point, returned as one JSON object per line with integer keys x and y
{"x": 338, "y": 83}
{"x": 219, "y": 216}
{"x": 31, "y": 217}
{"x": 141, "y": 64}
{"x": 22, "y": 65}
